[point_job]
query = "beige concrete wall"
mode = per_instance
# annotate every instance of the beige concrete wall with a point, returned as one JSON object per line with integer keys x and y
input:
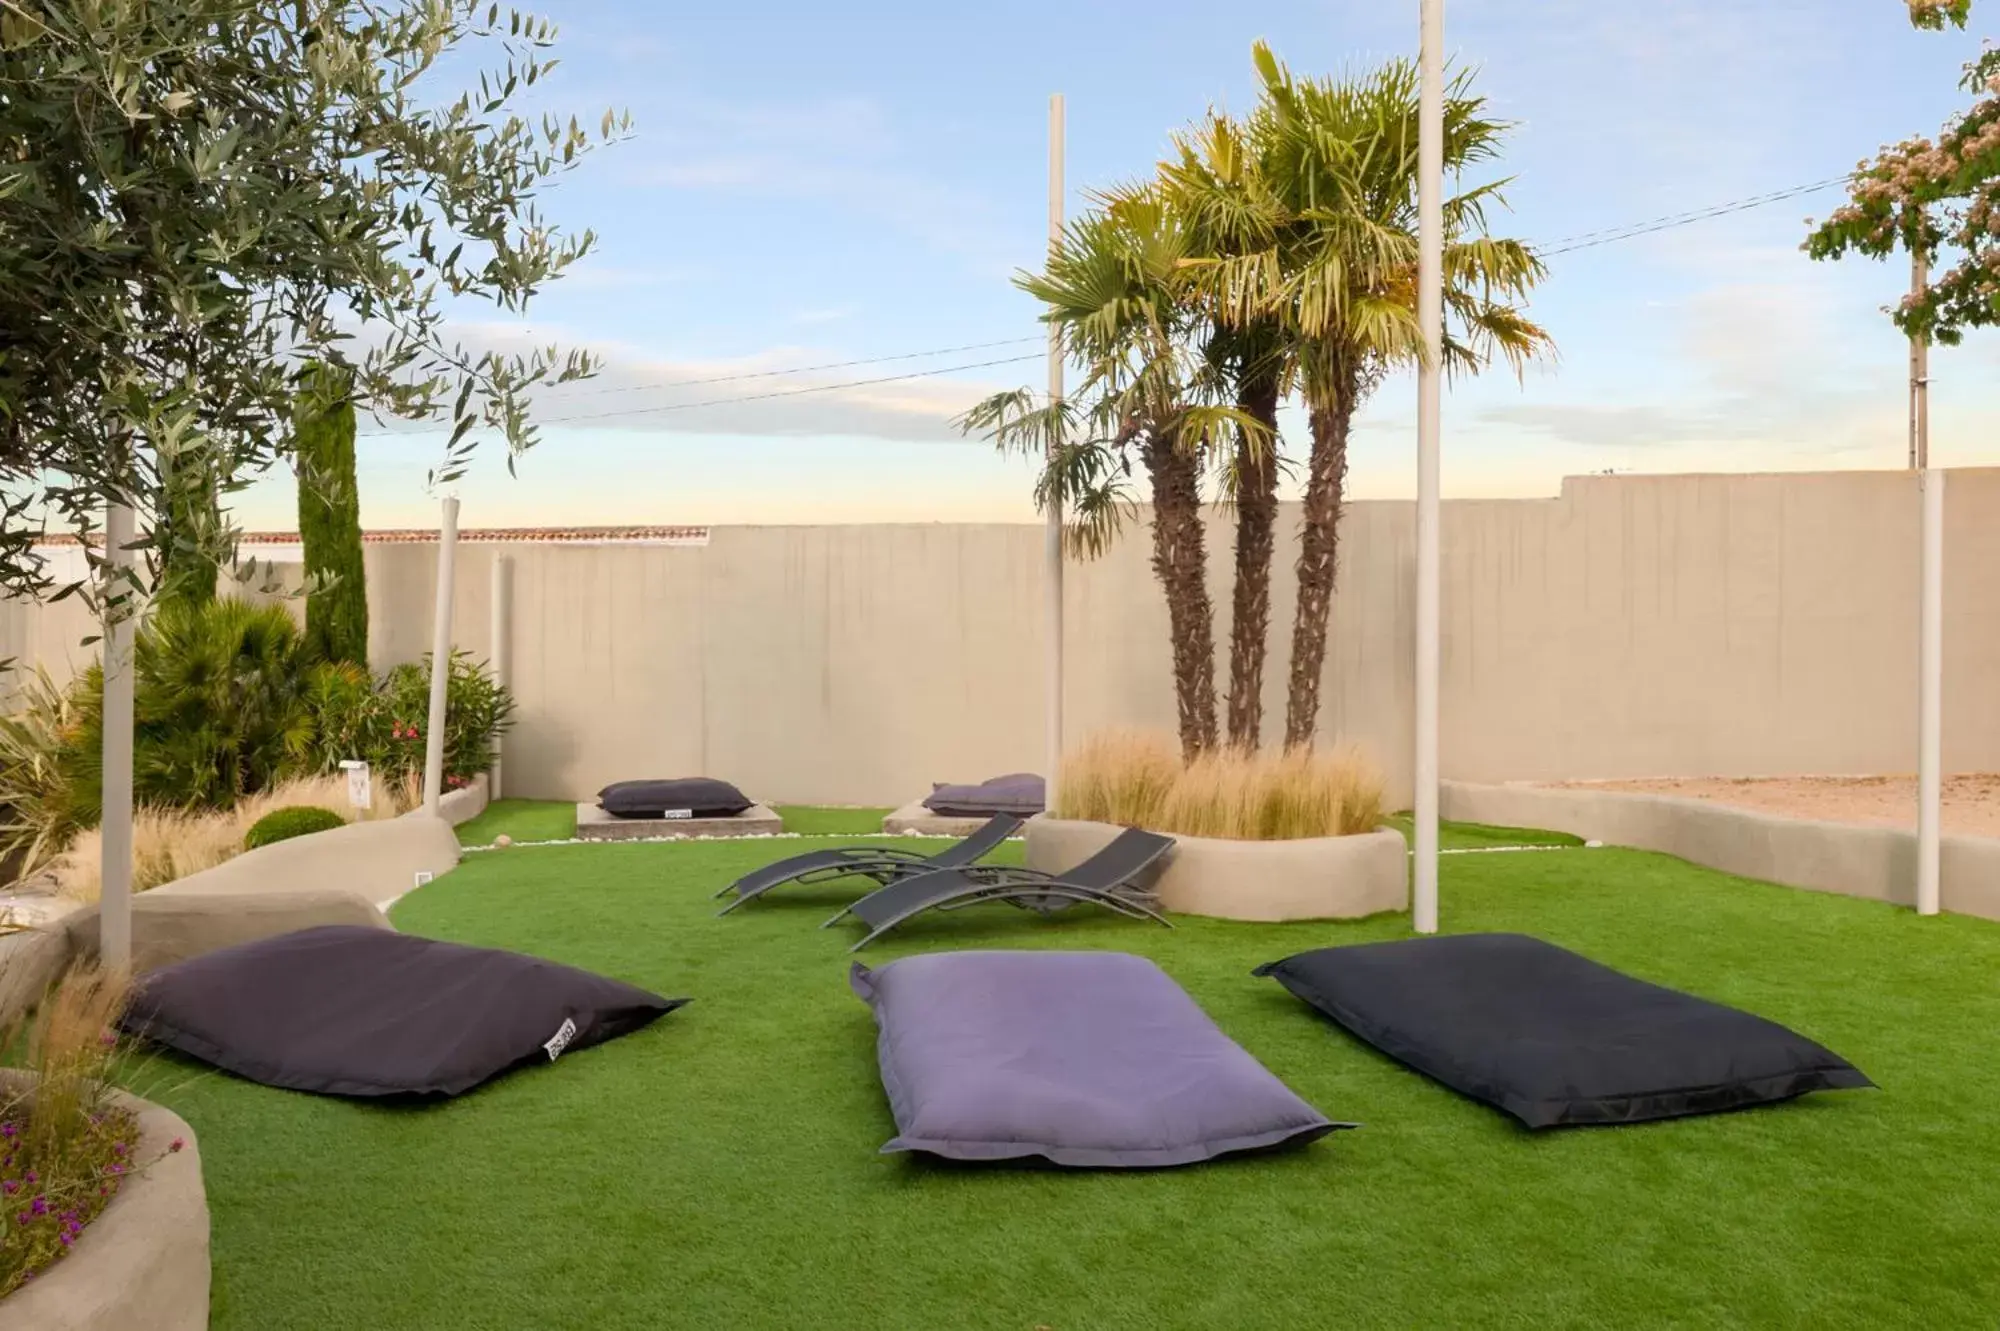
{"x": 1633, "y": 626}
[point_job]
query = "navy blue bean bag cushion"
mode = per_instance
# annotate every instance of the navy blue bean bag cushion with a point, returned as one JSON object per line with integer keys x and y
{"x": 1554, "y": 1038}
{"x": 1022, "y": 794}
{"x": 683, "y": 797}
{"x": 355, "y": 1011}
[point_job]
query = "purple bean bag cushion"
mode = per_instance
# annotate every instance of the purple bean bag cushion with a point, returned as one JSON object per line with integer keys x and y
{"x": 683, "y": 797}
{"x": 354, "y": 1011}
{"x": 1020, "y": 793}
{"x": 1089, "y": 1059}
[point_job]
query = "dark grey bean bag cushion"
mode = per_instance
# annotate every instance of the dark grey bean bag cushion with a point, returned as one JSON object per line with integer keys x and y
{"x": 1020, "y": 793}
{"x": 345, "y": 1010}
{"x": 1554, "y": 1038}
{"x": 1092, "y": 1059}
{"x": 684, "y": 797}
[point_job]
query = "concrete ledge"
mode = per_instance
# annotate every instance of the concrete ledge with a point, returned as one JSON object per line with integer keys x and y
{"x": 594, "y": 824}
{"x": 462, "y": 806}
{"x": 378, "y": 860}
{"x": 1317, "y": 878}
{"x": 144, "y": 1261}
{"x": 173, "y": 926}
{"x": 30, "y": 961}
{"x": 913, "y": 819}
{"x": 1879, "y": 863}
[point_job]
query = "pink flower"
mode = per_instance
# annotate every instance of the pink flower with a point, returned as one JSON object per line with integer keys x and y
{"x": 176, "y": 1144}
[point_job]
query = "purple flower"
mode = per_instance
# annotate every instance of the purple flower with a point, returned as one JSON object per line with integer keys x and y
{"x": 31, "y": 1177}
{"x": 10, "y": 1187}
{"x": 40, "y": 1206}
{"x": 8, "y": 1130}
{"x": 114, "y": 1168}
{"x": 67, "y": 1240}
{"x": 118, "y": 1148}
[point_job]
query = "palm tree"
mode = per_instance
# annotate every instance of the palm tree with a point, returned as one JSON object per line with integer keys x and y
{"x": 1336, "y": 182}
{"x": 1216, "y": 188}
{"x": 1115, "y": 286}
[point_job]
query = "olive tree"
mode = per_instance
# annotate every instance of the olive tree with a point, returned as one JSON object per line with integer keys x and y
{"x": 199, "y": 196}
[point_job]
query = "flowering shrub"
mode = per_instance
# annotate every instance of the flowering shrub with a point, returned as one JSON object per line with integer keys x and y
{"x": 1934, "y": 197}
{"x": 65, "y": 1147}
{"x": 382, "y": 721}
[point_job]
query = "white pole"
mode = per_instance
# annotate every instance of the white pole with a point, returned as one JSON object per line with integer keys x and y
{"x": 503, "y": 629}
{"x": 1930, "y": 694}
{"x": 121, "y": 606}
{"x": 440, "y": 660}
{"x": 1430, "y": 319}
{"x": 1053, "y": 554}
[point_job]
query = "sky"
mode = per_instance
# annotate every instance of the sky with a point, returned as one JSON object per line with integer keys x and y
{"x": 810, "y": 184}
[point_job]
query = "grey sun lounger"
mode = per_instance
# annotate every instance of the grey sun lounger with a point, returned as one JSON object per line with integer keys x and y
{"x": 1113, "y": 878}
{"x": 884, "y": 864}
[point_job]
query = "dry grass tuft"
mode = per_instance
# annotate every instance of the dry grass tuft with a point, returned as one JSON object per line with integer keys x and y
{"x": 168, "y": 844}
{"x": 1137, "y": 779}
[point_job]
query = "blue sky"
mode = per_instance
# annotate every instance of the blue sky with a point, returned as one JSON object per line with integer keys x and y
{"x": 812, "y": 183}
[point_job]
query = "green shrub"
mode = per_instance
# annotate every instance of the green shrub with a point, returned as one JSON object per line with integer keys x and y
{"x": 219, "y": 709}
{"x": 284, "y": 824}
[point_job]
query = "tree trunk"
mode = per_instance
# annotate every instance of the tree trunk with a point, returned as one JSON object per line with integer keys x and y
{"x": 1319, "y": 536}
{"x": 1256, "y": 520}
{"x": 330, "y": 526}
{"x": 1180, "y": 563}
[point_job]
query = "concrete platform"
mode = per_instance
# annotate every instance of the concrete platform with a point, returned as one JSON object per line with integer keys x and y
{"x": 913, "y": 819}
{"x": 594, "y": 824}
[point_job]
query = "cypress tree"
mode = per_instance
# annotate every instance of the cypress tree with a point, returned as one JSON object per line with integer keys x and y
{"x": 330, "y": 516}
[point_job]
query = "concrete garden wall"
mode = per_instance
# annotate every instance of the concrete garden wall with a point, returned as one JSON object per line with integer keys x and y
{"x": 1634, "y": 626}
{"x": 1314, "y": 878}
{"x": 144, "y": 1261}
{"x": 1875, "y": 862}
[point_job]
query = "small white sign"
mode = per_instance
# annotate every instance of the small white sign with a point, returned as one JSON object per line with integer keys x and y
{"x": 677, "y": 813}
{"x": 560, "y": 1040}
{"x": 360, "y": 784}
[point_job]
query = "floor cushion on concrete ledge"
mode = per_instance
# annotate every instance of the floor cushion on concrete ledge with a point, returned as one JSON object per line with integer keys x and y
{"x": 1022, "y": 794}
{"x": 1093, "y": 1059}
{"x": 1554, "y": 1038}
{"x": 363, "y": 1012}
{"x": 684, "y": 797}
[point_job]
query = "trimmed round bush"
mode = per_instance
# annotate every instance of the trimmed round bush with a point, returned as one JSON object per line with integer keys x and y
{"x": 284, "y": 824}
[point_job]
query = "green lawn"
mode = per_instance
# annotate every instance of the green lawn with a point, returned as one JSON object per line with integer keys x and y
{"x": 523, "y": 820}
{"x": 1480, "y": 836}
{"x": 809, "y": 821}
{"x": 720, "y": 1170}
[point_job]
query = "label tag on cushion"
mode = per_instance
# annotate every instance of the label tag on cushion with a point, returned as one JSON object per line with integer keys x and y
{"x": 560, "y": 1040}
{"x": 677, "y": 813}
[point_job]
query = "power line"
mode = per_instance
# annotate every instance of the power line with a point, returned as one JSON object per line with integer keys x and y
{"x": 758, "y": 397}
{"x": 1564, "y": 245}
{"x": 809, "y": 369}
{"x": 1605, "y": 236}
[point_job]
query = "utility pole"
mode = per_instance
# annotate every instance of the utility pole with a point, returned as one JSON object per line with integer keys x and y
{"x": 1930, "y": 600}
{"x": 1053, "y": 537}
{"x": 1920, "y": 365}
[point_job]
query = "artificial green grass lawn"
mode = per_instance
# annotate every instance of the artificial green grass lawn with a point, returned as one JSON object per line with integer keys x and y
{"x": 523, "y": 820}
{"x": 719, "y": 1168}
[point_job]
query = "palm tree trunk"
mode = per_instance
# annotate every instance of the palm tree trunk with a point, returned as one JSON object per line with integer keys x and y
{"x": 1319, "y": 537}
{"x": 1180, "y": 563}
{"x": 1256, "y": 521}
